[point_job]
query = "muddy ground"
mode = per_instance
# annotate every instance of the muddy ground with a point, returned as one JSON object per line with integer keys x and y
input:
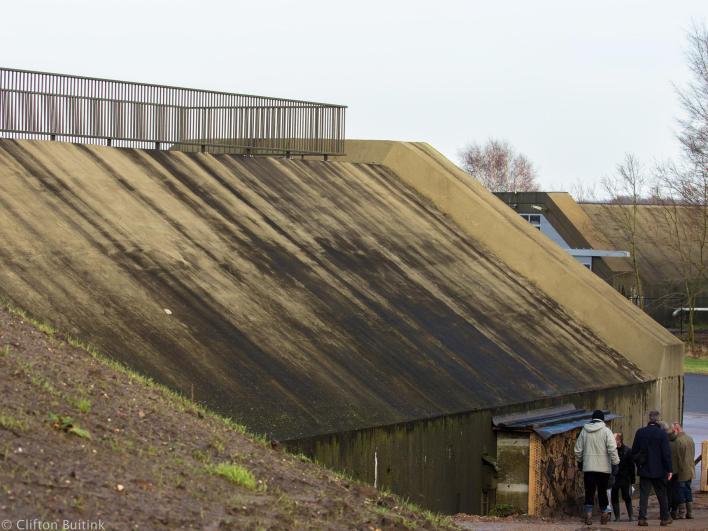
{"x": 521, "y": 522}
{"x": 90, "y": 444}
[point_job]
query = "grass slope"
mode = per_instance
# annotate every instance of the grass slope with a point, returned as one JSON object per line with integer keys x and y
{"x": 695, "y": 365}
{"x": 83, "y": 438}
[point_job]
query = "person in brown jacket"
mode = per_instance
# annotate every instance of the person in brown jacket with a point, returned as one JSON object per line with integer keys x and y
{"x": 672, "y": 486}
{"x": 685, "y": 450}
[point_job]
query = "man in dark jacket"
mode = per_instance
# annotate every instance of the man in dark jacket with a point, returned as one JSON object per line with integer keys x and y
{"x": 624, "y": 479}
{"x": 653, "y": 458}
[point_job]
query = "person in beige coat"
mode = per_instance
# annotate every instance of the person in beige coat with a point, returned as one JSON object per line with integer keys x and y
{"x": 596, "y": 455}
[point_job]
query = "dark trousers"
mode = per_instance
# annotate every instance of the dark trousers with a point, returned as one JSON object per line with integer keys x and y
{"x": 685, "y": 491}
{"x": 645, "y": 486}
{"x": 674, "y": 494}
{"x": 615, "y": 492}
{"x": 596, "y": 481}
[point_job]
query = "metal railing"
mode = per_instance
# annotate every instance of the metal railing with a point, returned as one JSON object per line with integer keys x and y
{"x": 68, "y": 108}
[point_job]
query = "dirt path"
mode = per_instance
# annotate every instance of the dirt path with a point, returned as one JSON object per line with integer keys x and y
{"x": 488, "y": 523}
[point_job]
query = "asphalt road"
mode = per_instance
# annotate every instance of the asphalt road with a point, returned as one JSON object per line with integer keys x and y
{"x": 696, "y": 397}
{"x": 695, "y": 417}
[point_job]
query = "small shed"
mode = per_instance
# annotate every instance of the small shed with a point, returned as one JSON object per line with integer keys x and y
{"x": 537, "y": 473}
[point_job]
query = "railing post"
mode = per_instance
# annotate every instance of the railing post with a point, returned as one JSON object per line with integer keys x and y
{"x": 59, "y": 107}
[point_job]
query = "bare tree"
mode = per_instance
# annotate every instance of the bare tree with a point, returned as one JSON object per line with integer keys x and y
{"x": 694, "y": 100}
{"x": 498, "y": 167}
{"x": 684, "y": 186}
{"x": 626, "y": 191}
{"x": 583, "y": 192}
{"x": 685, "y": 210}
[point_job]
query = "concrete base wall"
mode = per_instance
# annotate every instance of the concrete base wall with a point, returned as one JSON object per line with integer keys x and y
{"x": 436, "y": 464}
{"x": 439, "y": 463}
{"x": 513, "y": 461}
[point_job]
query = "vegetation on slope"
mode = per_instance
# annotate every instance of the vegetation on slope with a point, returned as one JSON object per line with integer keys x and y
{"x": 83, "y": 438}
{"x": 695, "y": 365}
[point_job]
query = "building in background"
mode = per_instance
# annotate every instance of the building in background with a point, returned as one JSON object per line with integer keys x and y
{"x": 560, "y": 218}
{"x": 598, "y": 235}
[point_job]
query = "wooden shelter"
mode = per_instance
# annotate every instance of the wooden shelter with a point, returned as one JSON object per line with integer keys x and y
{"x": 537, "y": 473}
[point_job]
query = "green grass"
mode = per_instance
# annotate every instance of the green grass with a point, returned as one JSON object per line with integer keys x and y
{"x": 38, "y": 380}
{"x": 400, "y": 521}
{"x": 82, "y": 404}
{"x": 201, "y": 456}
{"x": 68, "y": 425}
{"x": 231, "y": 471}
{"x": 120, "y": 445}
{"x": 39, "y": 325}
{"x": 11, "y": 423}
{"x": 179, "y": 400}
{"x": 503, "y": 510}
{"x": 436, "y": 519}
{"x": 235, "y": 474}
{"x": 695, "y": 365}
{"x": 217, "y": 444}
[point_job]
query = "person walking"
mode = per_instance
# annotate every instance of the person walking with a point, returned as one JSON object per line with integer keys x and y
{"x": 685, "y": 450}
{"x": 652, "y": 455}
{"x": 624, "y": 479}
{"x": 672, "y": 486}
{"x": 596, "y": 455}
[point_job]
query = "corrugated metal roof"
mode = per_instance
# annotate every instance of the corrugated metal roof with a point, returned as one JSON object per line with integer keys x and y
{"x": 548, "y": 422}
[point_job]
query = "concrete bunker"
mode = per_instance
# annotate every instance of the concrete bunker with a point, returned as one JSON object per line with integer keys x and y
{"x": 375, "y": 313}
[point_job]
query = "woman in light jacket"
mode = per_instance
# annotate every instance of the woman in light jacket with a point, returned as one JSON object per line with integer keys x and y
{"x": 596, "y": 455}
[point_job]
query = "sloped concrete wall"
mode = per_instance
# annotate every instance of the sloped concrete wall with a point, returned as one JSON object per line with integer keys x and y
{"x": 477, "y": 212}
{"x": 300, "y": 297}
{"x": 345, "y": 307}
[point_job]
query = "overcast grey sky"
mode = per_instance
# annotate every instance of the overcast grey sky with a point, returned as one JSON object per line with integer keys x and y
{"x": 573, "y": 85}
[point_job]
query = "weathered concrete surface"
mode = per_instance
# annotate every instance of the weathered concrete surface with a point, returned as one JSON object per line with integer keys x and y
{"x": 439, "y": 463}
{"x": 513, "y": 451}
{"x": 305, "y": 297}
{"x": 521, "y": 248}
